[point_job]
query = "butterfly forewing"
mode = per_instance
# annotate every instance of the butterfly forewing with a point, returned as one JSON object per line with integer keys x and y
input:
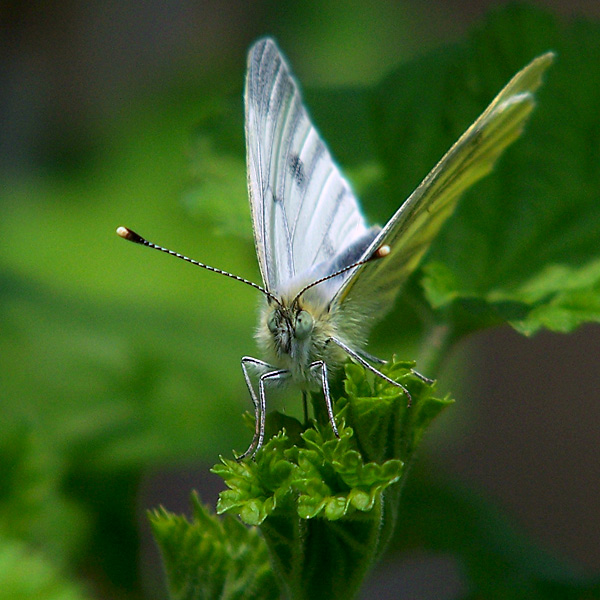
{"x": 371, "y": 288}
{"x": 303, "y": 210}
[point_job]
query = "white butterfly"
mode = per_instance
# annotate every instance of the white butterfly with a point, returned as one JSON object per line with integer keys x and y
{"x": 328, "y": 276}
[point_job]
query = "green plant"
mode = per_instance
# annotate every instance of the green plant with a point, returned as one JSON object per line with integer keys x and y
{"x": 326, "y": 507}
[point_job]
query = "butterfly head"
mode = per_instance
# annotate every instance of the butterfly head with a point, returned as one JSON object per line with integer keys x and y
{"x": 289, "y": 326}
{"x": 293, "y": 334}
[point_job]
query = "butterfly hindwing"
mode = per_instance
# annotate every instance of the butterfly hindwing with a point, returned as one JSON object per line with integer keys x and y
{"x": 372, "y": 287}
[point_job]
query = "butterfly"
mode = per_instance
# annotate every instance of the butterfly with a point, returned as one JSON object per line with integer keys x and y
{"x": 327, "y": 276}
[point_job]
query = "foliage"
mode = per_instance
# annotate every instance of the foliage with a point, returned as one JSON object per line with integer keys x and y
{"x": 325, "y": 506}
{"x": 209, "y": 558}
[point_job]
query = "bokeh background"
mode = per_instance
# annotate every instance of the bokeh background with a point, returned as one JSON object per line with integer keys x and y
{"x": 119, "y": 369}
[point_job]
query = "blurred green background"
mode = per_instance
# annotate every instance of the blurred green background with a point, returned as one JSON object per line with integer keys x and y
{"x": 119, "y": 373}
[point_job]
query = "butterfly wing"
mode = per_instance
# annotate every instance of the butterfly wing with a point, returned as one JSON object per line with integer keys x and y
{"x": 303, "y": 211}
{"x": 371, "y": 288}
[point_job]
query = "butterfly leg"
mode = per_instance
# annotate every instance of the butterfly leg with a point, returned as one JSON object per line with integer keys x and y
{"x": 280, "y": 374}
{"x": 380, "y": 361}
{"x": 422, "y": 377}
{"x": 320, "y": 364}
{"x": 371, "y": 358}
{"x": 359, "y": 359}
{"x": 258, "y": 402}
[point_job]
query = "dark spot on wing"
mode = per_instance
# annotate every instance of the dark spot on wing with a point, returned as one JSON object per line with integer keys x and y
{"x": 275, "y": 197}
{"x": 297, "y": 169}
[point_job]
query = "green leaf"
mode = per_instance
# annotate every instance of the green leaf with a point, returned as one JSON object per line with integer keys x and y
{"x": 319, "y": 499}
{"x": 523, "y": 245}
{"x": 206, "y": 558}
{"x": 386, "y": 429}
{"x": 332, "y": 479}
{"x": 257, "y": 487}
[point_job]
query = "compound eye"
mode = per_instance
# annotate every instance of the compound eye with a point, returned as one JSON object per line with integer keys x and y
{"x": 304, "y": 325}
{"x": 272, "y": 322}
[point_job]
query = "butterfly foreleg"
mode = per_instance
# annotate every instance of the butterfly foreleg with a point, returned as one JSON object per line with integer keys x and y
{"x": 320, "y": 364}
{"x": 279, "y": 374}
{"x": 359, "y": 359}
{"x": 258, "y": 402}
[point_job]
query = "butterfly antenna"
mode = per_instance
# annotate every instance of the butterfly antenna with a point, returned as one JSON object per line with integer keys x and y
{"x": 381, "y": 252}
{"x": 132, "y": 236}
